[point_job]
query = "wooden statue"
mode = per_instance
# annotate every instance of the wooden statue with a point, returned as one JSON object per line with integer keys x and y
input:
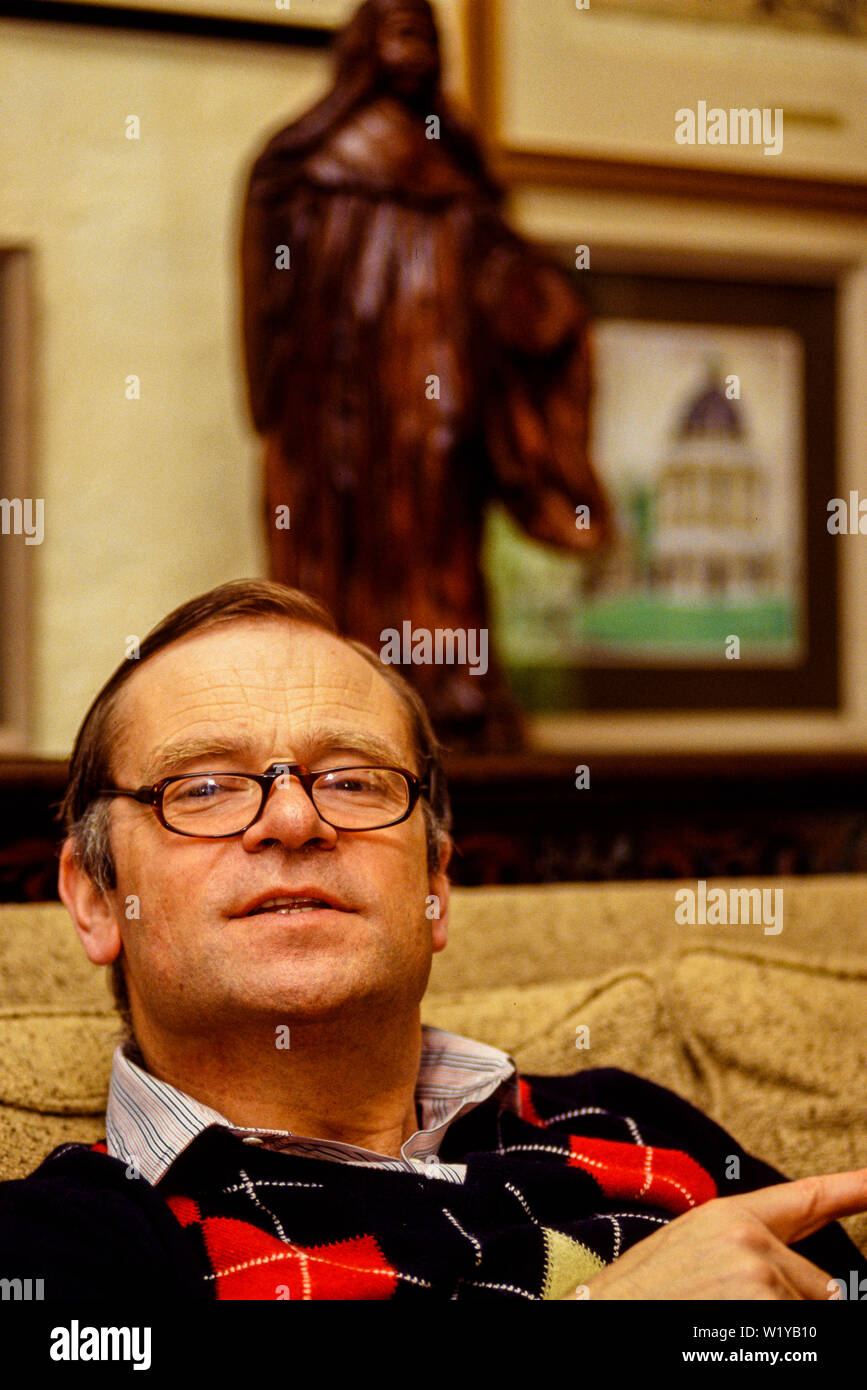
{"x": 409, "y": 357}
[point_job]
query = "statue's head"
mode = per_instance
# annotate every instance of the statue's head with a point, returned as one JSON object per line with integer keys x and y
{"x": 397, "y": 44}
{"x": 388, "y": 46}
{"x": 408, "y": 46}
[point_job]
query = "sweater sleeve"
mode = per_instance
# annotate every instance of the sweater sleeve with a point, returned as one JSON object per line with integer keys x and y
{"x": 88, "y": 1231}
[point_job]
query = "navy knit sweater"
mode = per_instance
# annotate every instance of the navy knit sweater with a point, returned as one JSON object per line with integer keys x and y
{"x": 597, "y": 1161}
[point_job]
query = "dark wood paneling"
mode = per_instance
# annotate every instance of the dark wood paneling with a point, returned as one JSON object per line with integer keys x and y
{"x": 176, "y": 23}
{"x": 651, "y": 179}
{"x": 521, "y": 819}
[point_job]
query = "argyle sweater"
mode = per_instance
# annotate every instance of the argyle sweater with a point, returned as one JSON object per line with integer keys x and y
{"x": 595, "y": 1162}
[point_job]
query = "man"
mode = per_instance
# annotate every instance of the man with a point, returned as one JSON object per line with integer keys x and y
{"x": 258, "y": 845}
{"x": 409, "y": 358}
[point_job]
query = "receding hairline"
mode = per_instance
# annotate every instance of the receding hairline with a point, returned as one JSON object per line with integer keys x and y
{"x": 119, "y": 720}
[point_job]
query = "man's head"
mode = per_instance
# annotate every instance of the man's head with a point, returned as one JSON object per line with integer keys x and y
{"x": 241, "y": 678}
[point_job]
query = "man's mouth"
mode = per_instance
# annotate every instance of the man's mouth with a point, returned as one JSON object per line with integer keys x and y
{"x": 288, "y": 904}
{"x": 285, "y": 907}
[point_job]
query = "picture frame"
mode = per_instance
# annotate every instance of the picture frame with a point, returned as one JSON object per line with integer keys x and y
{"x": 838, "y": 17}
{"x": 17, "y": 553}
{"x": 222, "y": 18}
{"x": 662, "y": 667}
{"x": 530, "y": 84}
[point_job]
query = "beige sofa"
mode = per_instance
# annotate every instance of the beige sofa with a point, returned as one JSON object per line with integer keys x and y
{"x": 767, "y": 1033}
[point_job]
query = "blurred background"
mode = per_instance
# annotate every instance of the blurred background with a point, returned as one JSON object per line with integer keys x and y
{"x": 127, "y": 136}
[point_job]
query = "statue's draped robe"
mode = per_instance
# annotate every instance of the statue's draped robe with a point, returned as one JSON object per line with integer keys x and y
{"x": 415, "y": 360}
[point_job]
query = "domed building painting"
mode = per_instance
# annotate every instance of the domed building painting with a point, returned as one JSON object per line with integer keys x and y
{"x": 711, "y": 497}
{"x": 698, "y": 438}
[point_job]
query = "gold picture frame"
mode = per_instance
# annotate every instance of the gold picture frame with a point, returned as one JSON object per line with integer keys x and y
{"x": 528, "y": 82}
{"x": 327, "y": 14}
{"x": 18, "y": 553}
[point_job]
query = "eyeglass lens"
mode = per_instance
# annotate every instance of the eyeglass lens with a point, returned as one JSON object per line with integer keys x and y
{"x": 356, "y": 799}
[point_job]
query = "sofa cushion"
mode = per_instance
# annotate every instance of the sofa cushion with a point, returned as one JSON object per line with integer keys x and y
{"x": 56, "y": 1063}
{"x": 529, "y": 934}
{"x": 622, "y": 1012}
{"x": 42, "y": 961}
{"x": 54, "y": 1072}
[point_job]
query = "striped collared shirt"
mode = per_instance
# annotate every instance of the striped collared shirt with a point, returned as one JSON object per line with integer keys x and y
{"x": 149, "y": 1123}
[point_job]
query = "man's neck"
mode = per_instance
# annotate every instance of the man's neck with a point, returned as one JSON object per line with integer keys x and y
{"x": 347, "y": 1082}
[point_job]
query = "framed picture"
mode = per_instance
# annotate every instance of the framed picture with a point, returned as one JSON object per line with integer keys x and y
{"x": 297, "y": 14}
{"x": 713, "y": 430}
{"x": 22, "y": 516}
{"x": 757, "y": 104}
{"x": 839, "y": 17}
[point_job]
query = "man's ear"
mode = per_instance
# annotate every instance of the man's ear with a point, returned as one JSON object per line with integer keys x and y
{"x": 439, "y": 890}
{"x": 90, "y": 909}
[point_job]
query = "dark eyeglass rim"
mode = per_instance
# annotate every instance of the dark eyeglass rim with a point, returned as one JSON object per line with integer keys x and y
{"x": 153, "y": 795}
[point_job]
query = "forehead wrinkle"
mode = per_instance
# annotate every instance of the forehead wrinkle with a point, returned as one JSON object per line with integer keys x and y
{"x": 324, "y": 696}
{"x": 249, "y": 683}
{"x": 210, "y": 679}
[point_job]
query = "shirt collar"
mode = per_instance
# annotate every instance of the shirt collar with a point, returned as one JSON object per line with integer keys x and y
{"x": 149, "y": 1122}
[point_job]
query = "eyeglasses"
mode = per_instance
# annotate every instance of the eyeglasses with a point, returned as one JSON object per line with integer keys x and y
{"x": 216, "y": 805}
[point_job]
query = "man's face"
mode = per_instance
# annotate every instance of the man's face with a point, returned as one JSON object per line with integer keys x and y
{"x": 409, "y": 51}
{"x": 240, "y": 697}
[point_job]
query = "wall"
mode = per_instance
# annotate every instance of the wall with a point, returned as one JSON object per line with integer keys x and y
{"x": 134, "y": 271}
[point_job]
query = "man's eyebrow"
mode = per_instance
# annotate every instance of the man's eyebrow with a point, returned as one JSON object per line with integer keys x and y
{"x": 319, "y": 743}
{"x": 186, "y": 750}
{"x": 325, "y": 740}
{"x": 358, "y": 743}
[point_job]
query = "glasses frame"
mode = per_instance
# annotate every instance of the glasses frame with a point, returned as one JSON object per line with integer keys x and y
{"x": 153, "y": 796}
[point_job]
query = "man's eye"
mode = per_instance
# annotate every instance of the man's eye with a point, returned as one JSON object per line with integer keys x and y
{"x": 356, "y": 782}
{"x": 206, "y": 790}
{"x": 349, "y": 784}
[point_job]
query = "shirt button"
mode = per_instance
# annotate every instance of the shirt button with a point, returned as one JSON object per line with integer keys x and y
{"x": 431, "y": 1159}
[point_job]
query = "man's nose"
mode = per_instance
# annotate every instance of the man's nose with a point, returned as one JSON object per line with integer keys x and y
{"x": 289, "y": 818}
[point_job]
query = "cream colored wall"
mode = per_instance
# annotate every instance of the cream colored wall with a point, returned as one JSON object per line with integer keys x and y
{"x": 134, "y": 243}
{"x": 134, "y": 248}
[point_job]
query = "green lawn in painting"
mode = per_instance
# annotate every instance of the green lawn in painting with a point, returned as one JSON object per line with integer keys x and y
{"x": 651, "y": 620}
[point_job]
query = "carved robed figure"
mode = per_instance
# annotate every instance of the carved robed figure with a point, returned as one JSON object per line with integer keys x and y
{"x": 409, "y": 358}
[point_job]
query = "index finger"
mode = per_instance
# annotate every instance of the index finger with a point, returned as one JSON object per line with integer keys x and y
{"x": 794, "y": 1210}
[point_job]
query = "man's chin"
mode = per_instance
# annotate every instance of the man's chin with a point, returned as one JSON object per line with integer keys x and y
{"x": 301, "y": 1003}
